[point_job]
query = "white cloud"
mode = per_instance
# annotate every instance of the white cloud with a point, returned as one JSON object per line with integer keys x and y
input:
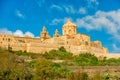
{"x": 29, "y": 34}
{"x": 19, "y": 14}
{"x": 116, "y": 49}
{"x": 56, "y": 7}
{"x": 56, "y": 21}
{"x": 92, "y": 3}
{"x": 40, "y": 2}
{"x": 82, "y": 10}
{"x": 4, "y": 30}
{"x": 107, "y": 20}
{"x": 18, "y": 33}
{"x": 68, "y": 8}
{"x": 60, "y": 20}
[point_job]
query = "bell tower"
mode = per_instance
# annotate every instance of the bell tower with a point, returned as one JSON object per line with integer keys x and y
{"x": 44, "y": 34}
{"x": 69, "y": 28}
{"x": 56, "y": 33}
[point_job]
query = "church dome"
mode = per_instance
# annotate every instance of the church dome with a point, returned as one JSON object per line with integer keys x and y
{"x": 69, "y": 23}
{"x": 69, "y": 28}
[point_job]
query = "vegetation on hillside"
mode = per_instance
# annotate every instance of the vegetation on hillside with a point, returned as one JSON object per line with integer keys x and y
{"x": 13, "y": 68}
{"x": 61, "y": 54}
{"x": 18, "y": 65}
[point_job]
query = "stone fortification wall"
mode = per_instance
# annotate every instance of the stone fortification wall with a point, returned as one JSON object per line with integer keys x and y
{"x": 19, "y": 46}
{"x": 71, "y": 40}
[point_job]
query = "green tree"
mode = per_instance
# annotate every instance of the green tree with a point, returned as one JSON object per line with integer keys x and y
{"x": 12, "y": 68}
{"x": 85, "y": 59}
{"x": 62, "y": 49}
{"x": 43, "y": 69}
{"x": 59, "y": 71}
{"x": 58, "y": 54}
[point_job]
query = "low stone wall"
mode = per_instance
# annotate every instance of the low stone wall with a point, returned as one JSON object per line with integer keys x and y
{"x": 108, "y": 55}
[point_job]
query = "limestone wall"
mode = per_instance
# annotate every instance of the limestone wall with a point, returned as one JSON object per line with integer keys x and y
{"x": 19, "y": 46}
{"x": 40, "y": 47}
{"x": 27, "y": 39}
{"x": 73, "y": 42}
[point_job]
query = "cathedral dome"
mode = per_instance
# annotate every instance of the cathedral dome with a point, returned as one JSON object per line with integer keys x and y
{"x": 69, "y": 23}
{"x": 69, "y": 28}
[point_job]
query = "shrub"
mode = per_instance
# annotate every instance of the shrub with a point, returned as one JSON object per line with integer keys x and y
{"x": 60, "y": 71}
{"x": 11, "y": 68}
{"x": 58, "y": 54}
{"x": 62, "y": 49}
{"x": 43, "y": 69}
{"x": 106, "y": 76}
{"x": 97, "y": 76}
{"x": 46, "y": 70}
{"x": 78, "y": 76}
{"x": 85, "y": 59}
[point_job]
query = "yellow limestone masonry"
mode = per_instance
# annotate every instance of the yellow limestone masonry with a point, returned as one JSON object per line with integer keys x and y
{"x": 70, "y": 40}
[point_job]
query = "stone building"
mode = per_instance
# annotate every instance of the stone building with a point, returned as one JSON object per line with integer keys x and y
{"x": 70, "y": 40}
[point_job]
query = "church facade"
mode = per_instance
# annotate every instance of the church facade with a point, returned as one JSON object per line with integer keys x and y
{"x": 70, "y": 40}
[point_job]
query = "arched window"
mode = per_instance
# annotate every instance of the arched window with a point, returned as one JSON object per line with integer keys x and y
{"x": 45, "y": 34}
{"x": 86, "y": 43}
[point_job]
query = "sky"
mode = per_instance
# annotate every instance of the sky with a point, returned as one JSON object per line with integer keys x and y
{"x": 98, "y": 18}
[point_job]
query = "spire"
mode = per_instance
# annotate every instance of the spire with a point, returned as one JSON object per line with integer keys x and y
{"x": 56, "y": 33}
{"x": 44, "y": 34}
{"x": 44, "y": 29}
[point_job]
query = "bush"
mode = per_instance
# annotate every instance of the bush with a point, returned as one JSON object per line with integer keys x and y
{"x": 11, "y": 68}
{"x": 106, "y": 76}
{"x": 28, "y": 54}
{"x": 46, "y": 70}
{"x": 78, "y": 76}
{"x": 62, "y": 49}
{"x": 60, "y": 71}
{"x": 58, "y": 54}
{"x": 86, "y": 59}
{"x": 97, "y": 76}
{"x": 43, "y": 69}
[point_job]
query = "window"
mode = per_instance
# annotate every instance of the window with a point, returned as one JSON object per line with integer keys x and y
{"x": 86, "y": 43}
{"x": 44, "y": 34}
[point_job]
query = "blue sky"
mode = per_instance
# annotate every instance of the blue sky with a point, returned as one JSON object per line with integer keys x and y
{"x": 98, "y": 18}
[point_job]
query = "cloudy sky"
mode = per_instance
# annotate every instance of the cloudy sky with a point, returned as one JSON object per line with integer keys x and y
{"x": 98, "y": 18}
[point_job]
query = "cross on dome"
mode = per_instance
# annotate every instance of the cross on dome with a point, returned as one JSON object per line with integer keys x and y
{"x": 69, "y": 20}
